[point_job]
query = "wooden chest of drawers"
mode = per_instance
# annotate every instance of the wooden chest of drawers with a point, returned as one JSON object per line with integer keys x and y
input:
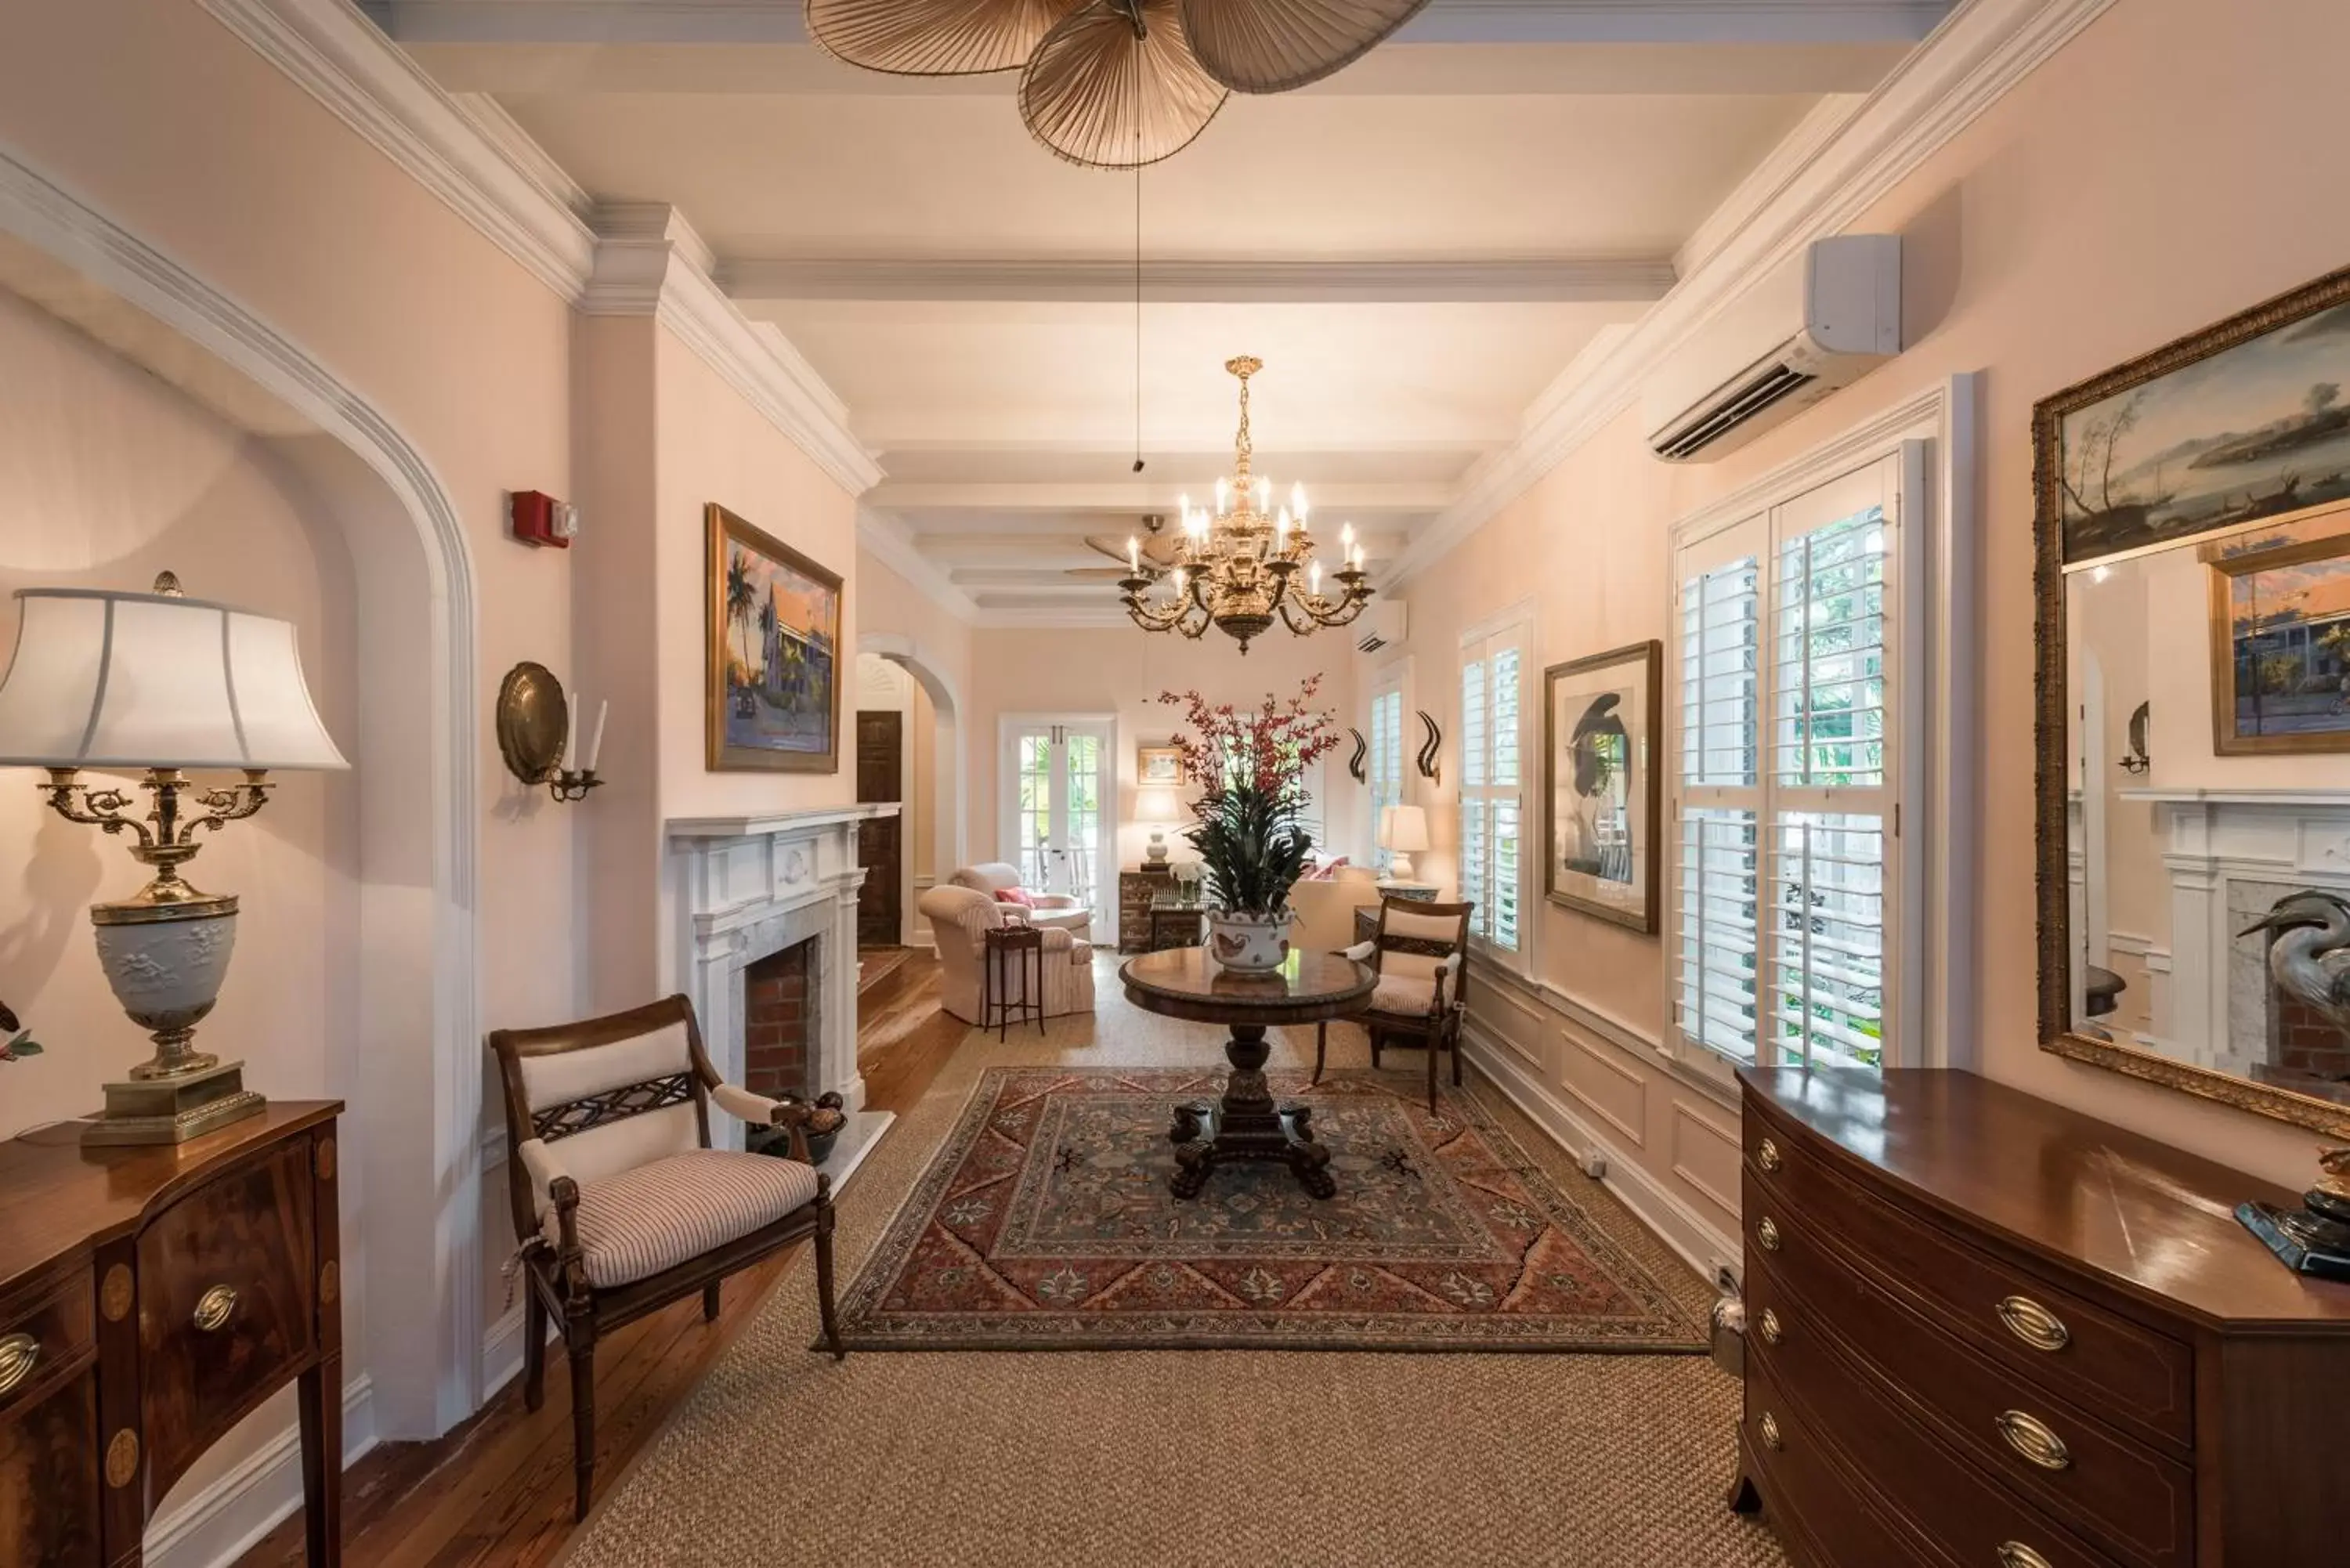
{"x": 150, "y": 1300}
{"x": 1985, "y": 1332}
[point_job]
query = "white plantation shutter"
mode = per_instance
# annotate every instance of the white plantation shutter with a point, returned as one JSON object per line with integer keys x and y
{"x": 1492, "y": 789}
{"x": 1385, "y": 762}
{"x": 1782, "y": 807}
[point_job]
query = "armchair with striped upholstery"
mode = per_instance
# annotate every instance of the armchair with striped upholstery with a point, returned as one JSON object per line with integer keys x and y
{"x": 621, "y": 1206}
{"x": 1421, "y": 953}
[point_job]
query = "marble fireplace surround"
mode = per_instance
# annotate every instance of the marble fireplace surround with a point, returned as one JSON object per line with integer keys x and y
{"x": 743, "y": 888}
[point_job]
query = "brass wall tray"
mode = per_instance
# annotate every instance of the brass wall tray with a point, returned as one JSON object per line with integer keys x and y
{"x": 534, "y": 721}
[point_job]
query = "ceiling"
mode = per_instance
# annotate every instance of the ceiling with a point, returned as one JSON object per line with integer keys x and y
{"x": 1418, "y": 247}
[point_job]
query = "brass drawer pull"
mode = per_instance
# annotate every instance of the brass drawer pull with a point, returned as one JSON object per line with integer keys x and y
{"x": 1766, "y": 1155}
{"x": 2016, "y": 1554}
{"x": 2033, "y": 1324}
{"x": 19, "y": 1354}
{"x": 214, "y": 1308}
{"x": 1766, "y": 1235}
{"x": 2029, "y": 1436}
{"x": 1770, "y": 1427}
{"x": 1769, "y": 1327}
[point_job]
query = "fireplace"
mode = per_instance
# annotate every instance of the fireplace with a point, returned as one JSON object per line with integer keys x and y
{"x": 764, "y": 912}
{"x": 778, "y": 1022}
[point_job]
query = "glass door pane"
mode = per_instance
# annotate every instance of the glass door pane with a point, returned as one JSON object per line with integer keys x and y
{"x": 1081, "y": 755}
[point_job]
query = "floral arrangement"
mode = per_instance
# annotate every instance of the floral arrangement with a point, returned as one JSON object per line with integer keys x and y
{"x": 19, "y": 1043}
{"x": 1251, "y": 837}
{"x": 1267, "y": 748}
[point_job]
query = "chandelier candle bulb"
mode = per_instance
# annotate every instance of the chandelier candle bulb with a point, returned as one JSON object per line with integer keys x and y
{"x": 1134, "y": 554}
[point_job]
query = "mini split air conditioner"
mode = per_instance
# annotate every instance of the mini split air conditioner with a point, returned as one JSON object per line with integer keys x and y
{"x": 1817, "y": 325}
{"x": 1382, "y": 623}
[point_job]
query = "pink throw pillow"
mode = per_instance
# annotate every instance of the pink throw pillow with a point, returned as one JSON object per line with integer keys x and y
{"x": 1020, "y": 895}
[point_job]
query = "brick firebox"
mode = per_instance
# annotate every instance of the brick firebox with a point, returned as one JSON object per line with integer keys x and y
{"x": 2301, "y": 1039}
{"x": 778, "y": 1022}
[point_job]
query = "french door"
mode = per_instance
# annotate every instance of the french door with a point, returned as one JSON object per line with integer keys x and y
{"x": 1056, "y": 788}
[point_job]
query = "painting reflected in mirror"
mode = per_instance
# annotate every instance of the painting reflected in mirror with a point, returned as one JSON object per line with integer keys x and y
{"x": 2195, "y": 699}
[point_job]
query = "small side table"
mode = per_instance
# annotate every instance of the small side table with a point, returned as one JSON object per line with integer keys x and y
{"x": 1014, "y": 951}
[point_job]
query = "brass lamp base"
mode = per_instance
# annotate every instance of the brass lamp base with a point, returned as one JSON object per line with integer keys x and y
{"x": 175, "y": 1109}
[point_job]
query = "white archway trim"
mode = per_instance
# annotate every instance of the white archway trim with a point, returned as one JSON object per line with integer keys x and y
{"x": 39, "y": 212}
{"x": 947, "y": 704}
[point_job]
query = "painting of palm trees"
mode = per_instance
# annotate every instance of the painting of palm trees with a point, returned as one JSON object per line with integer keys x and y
{"x": 2281, "y": 649}
{"x": 774, "y": 692}
{"x": 2244, "y": 421}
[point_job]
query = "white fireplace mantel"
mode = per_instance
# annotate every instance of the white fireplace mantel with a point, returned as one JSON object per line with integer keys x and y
{"x": 741, "y": 889}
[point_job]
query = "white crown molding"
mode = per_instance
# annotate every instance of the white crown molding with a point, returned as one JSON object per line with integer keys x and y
{"x": 1763, "y": 183}
{"x": 1636, "y": 280}
{"x": 486, "y": 167}
{"x": 339, "y": 58}
{"x": 1977, "y": 57}
{"x": 892, "y": 544}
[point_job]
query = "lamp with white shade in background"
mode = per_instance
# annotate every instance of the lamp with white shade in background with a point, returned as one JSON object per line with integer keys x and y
{"x": 1161, "y": 809}
{"x": 162, "y": 683}
{"x": 1403, "y": 831}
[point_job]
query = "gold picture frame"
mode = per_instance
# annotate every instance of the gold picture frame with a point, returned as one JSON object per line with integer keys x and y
{"x": 2052, "y": 701}
{"x": 778, "y": 709}
{"x": 2236, "y": 580}
{"x": 1158, "y": 767}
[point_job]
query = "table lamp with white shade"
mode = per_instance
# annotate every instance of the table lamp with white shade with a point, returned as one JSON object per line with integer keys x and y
{"x": 160, "y": 683}
{"x": 1157, "y": 808}
{"x": 1403, "y": 831}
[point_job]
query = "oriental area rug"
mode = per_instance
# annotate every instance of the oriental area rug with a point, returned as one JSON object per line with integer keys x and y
{"x": 1044, "y": 1222}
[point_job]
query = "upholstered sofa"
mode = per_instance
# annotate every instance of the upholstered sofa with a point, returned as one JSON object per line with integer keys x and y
{"x": 1052, "y": 911}
{"x": 962, "y": 917}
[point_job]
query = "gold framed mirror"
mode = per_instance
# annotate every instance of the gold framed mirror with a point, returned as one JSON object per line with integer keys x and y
{"x": 2193, "y": 712}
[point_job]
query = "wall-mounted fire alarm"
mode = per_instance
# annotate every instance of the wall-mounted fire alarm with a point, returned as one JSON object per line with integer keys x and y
{"x": 541, "y": 519}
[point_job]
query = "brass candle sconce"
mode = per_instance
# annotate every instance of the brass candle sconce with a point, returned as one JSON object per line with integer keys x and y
{"x": 538, "y": 734}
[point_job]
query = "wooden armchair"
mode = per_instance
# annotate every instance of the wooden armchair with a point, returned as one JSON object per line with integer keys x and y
{"x": 1421, "y": 953}
{"x": 621, "y": 1206}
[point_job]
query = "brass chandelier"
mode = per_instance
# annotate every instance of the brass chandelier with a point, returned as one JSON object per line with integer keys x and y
{"x": 1236, "y": 567}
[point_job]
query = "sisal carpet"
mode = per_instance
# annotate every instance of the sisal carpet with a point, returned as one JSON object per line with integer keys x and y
{"x": 1044, "y": 1222}
{"x": 1138, "y": 1458}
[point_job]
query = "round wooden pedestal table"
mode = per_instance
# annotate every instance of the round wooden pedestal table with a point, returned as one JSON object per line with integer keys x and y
{"x": 1185, "y": 982}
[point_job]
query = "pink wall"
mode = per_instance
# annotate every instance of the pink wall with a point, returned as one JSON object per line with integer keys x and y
{"x": 2148, "y": 179}
{"x": 109, "y": 475}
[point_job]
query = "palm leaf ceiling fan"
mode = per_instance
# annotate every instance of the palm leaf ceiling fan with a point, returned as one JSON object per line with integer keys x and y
{"x": 1112, "y": 84}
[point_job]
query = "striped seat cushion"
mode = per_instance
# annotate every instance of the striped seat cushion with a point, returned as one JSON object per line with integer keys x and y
{"x": 1404, "y": 995}
{"x": 660, "y": 1214}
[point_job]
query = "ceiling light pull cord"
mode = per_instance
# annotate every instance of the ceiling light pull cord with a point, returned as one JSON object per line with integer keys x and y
{"x": 1138, "y": 286}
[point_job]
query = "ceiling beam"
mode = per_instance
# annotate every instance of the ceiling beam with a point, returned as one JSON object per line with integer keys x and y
{"x": 1633, "y": 280}
{"x": 742, "y": 22}
{"x": 1330, "y": 500}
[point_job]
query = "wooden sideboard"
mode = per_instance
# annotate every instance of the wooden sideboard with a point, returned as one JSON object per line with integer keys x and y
{"x": 149, "y": 1299}
{"x": 1986, "y": 1331}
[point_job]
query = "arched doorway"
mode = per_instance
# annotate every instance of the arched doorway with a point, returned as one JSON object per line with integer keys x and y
{"x": 949, "y": 788}
{"x": 413, "y": 1072}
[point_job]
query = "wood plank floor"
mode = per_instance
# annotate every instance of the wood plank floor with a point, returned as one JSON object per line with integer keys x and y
{"x": 498, "y": 1489}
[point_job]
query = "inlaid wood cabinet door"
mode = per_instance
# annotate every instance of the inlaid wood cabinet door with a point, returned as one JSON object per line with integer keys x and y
{"x": 226, "y": 1304}
{"x": 49, "y": 1478}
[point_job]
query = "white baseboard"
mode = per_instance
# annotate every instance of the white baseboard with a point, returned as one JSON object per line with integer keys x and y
{"x": 1704, "y": 1246}
{"x": 222, "y": 1522}
{"x": 502, "y": 1351}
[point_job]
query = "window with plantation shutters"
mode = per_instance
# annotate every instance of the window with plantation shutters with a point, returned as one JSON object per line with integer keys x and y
{"x": 1493, "y": 787}
{"x": 1785, "y": 814}
{"x": 1385, "y": 763}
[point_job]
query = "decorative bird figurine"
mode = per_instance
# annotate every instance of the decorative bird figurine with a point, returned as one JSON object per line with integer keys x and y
{"x": 2309, "y": 956}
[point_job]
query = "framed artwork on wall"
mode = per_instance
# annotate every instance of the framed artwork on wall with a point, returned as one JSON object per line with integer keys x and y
{"x": 1157, "y": 767}
{"x": 1601, "y": 723}
{"x": 773, "y": 679}
{"x": 2281, "y": 646}
{"x": 2244, "y": 420}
